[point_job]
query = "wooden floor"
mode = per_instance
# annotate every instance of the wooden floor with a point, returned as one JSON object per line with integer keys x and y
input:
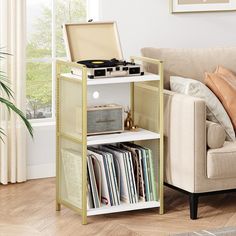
{"x": 28, "y": 209}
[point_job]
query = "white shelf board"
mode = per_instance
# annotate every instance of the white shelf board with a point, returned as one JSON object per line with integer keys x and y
{"x": 115, "y": 80}
{"x": 126, "y": 136}
{"x": 123, "y": 207}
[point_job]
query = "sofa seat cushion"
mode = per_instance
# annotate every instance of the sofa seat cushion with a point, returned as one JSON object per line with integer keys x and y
{"x": 221, "y": 162}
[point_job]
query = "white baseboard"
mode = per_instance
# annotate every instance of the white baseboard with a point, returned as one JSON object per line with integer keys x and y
{"x": 41, "y": 171}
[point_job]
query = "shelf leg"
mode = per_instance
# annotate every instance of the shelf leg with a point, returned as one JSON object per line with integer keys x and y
{"x": 84, "y": 147}
{"x": 161, "y": 147}
{"x": 58, "y": 206}
{"x": 161, "y": 210}
{"x": 84, "y": 219}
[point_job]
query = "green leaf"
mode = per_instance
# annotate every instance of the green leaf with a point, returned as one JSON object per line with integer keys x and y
{"x": 6, "y": 89}
{"x": 2, "y": 134}
{"x": 4, "y": 54}
{"x": 4, "y": 85}
{"x": 12, "y": 107}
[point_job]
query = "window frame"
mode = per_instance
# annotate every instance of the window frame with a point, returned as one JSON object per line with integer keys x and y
{"x": 91, "y": 13}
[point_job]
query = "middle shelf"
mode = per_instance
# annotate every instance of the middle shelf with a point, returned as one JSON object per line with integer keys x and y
{"x": 126, "y": 136}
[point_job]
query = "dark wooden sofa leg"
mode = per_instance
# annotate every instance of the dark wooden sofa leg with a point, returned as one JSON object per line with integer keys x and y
{"x": 193, "y": 204}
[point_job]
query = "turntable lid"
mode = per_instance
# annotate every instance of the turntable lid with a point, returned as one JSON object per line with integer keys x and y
{"x": 89, "y": 41}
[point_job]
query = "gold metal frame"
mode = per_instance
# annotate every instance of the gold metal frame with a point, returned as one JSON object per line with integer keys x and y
{"x": 83, "y": 141}
{"x": 175, "y": 12}
{"x": 160, "y": 66}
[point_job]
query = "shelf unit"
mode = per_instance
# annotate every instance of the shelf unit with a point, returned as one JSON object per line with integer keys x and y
{"x": 147, "y": 113}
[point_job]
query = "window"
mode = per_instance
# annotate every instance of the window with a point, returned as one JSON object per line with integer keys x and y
{"x": 44, "y": 44}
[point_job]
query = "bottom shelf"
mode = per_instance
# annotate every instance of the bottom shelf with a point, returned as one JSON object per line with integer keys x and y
{"x": 122, "y": 207}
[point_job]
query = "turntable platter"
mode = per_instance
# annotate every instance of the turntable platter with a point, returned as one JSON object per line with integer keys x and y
{"x": 97, "y": 63}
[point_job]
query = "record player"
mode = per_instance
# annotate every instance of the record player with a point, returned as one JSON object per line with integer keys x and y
{"x": 110, "y": 68}
{"x": 93, "y": 45}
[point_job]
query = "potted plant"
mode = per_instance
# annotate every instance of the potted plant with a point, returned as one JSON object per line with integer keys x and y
{"x": 6, "y": 95}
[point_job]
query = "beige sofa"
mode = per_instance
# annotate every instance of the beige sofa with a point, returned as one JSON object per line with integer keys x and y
{"x": 189, "y": 166}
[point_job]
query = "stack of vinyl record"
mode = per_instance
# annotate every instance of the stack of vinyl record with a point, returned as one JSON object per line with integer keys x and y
{"x": 122, "y": 172}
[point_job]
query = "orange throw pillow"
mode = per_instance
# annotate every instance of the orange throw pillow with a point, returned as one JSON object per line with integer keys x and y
{"x": 223, "y": 84}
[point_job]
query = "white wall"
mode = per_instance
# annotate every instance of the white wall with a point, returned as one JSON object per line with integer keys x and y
{"x": 141, "y": 23}
{"x": 148, "y": 23}
{"x": 42, "y": 151}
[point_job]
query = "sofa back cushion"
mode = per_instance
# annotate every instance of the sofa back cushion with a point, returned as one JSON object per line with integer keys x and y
{"x": 223, "y": 84}
{"x": 190, "y": 63}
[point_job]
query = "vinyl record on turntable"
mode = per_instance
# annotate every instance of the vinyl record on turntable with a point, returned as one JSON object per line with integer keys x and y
{"x": 97, "y": 63}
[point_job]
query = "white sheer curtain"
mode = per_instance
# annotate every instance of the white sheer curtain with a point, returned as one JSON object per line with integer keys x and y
{"x": 13, "y": 39}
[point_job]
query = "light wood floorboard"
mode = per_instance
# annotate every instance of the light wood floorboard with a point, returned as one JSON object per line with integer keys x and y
{"x": 28, "y": 209}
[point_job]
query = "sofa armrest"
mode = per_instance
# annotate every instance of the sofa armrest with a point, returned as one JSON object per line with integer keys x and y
{"x": 185, "y": 140}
